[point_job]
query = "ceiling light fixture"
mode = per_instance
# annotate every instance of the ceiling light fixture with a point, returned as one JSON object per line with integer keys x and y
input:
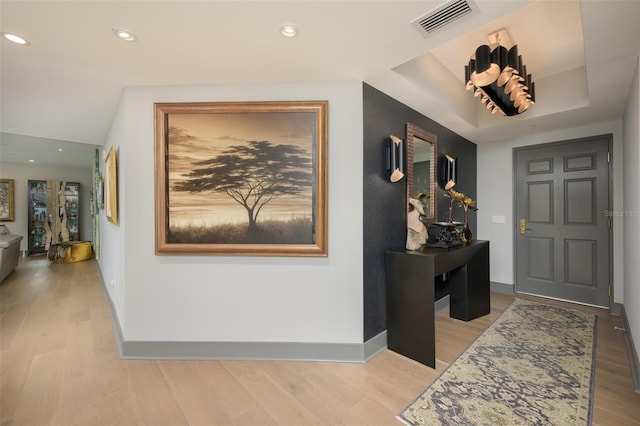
{"x": 497, "y": 76}
{"x": 289, "y": 30}
{"x": 15, "y": 39}
{"x": 124, "y": 34}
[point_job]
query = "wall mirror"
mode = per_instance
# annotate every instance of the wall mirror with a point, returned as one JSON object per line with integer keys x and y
{"x": 421, "y": 154}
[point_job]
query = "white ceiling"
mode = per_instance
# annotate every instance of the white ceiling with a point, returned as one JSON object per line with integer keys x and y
{"x": 66, "y": 84}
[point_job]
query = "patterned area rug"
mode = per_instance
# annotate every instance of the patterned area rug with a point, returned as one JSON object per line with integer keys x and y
{"x": 533, "y": 366}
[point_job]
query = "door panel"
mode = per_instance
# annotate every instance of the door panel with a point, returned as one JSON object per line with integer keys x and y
{"x": 540, "y": 202}
{"x": 562, "y": 247}
{"x": 581, "y": 262}
{"x": 541, "y": 258}
{"x": 580, "y": 201}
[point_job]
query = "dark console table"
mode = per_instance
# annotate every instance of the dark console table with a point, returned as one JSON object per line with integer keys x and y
{"x": 410, "y": 294}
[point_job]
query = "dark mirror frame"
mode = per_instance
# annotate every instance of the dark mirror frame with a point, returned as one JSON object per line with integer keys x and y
{"x": 414, "y": 132}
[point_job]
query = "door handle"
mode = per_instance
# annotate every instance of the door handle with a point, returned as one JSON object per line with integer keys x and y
{"x": 523, "y": 227}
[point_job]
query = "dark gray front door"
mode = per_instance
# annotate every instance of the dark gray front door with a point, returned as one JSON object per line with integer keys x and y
{"x": 562, "y": 229}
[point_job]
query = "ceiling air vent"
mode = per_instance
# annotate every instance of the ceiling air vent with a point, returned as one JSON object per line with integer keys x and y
{"x": 443, "y": 15}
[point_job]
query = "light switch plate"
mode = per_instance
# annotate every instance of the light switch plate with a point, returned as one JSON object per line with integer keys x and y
{"x": 498, "y": 219}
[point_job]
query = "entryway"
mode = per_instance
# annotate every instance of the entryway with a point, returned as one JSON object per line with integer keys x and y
{"x": 562, "y": 200}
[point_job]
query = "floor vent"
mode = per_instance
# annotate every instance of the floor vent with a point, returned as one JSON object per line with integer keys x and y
{"x": 443, "y": 15}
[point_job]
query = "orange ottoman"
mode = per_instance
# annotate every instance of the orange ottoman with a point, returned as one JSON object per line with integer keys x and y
{"x": 77, "y": 251}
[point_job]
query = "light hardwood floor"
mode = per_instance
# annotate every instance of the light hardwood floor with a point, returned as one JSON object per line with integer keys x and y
{"x": 60, "y": 366}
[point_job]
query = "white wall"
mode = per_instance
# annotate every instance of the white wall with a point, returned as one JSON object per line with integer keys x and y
{"x": 632, "y": 207}
{"x": 217, "y": 298}
{"x": 22, "y": 173}
{"x": 495, "y": 198}
{"x": 112, "y": 255}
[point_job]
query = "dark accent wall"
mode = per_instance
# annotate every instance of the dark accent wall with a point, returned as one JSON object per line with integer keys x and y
{"x": 385, "y": 223}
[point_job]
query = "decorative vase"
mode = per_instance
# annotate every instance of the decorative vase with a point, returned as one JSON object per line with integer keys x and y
{"x": 467, "y": 235}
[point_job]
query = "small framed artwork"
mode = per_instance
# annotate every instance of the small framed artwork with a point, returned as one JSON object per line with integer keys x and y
{"x": 7, "y": 203}
{"x": 111, "y": 186}
{"x": 241, "y": 178}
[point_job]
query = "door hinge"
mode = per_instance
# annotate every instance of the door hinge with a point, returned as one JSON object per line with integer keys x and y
{"x": 609, "y": 220}
{"x": 609, "y": 291}
{"x": 608, "y": 157}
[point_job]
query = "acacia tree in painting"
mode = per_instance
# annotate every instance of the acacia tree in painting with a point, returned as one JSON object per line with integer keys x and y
{"x": 252, "y": 175}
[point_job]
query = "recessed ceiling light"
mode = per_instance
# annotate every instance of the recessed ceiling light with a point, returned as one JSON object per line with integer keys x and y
{"x": 124, "y": 34}
{"x": 32, "y": 161}
{"x": 15, "y": 38}
{"x": 289, "y": 30}
{"x": 59, "y": 149}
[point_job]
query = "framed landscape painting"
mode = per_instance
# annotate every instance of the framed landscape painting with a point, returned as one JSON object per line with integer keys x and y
{"x": 241, "y": 178}
{"x": 7, "y": 203}
{"x": 111, "y": 186}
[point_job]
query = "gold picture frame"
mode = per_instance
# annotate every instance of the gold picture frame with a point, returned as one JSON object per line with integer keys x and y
{"x": 241, "y": 178}
{"x": 7, "y": 200}
{"x": 111, "y": 186}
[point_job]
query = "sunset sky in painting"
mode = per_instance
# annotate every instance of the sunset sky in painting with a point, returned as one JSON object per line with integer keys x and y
{"x": 204, "y": 136}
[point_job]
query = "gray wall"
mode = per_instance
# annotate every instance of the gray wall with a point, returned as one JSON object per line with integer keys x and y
{"x": 384, "y": 202}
